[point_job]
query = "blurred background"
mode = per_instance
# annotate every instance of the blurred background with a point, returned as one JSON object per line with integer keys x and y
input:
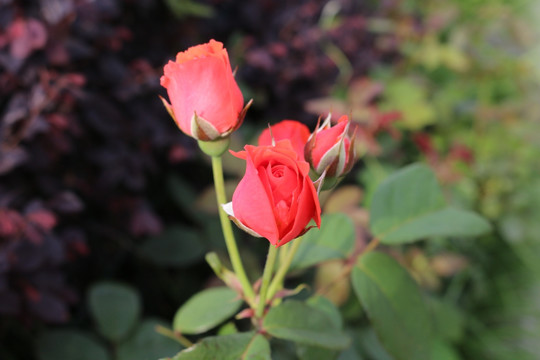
{"x": 107, "y": 209}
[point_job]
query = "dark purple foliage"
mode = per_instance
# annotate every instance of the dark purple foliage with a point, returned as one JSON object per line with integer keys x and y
{"x": 81, "y": 128}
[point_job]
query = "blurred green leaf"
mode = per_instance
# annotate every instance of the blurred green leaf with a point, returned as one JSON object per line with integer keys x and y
{"x": 372, "y": 176}
{"x": 69, "y": 345}
{"x": 334, "y": 240}
{"x": 448, "y": 321}
{"x": 314, "y": 352}
{"x": 205, "y": 310}
{"x": 242, "y": 346}
{"x": 283, "y": 349}
{"x": 305, "y": 324}
{"x": 258, "y": 349}
{"x": 227, "y": 329}
{"x": 443, "y": 351}
{"x": 323, "y": 304}
{"x": 183, "y": 8}
{"x": 304, "y": 352}
{"x": 115, "y": 308}
{"x": 368, "y": 344}
{"x": 342, "y": 199}
{"x": 431, "y": 53}
{"x": 352, "y": 309}
{"x": 176, "y": 246}
{"x": 349, "y": 354}
{"x": 409, "y": 206}
{"x": 147, "y": 344}
{"x": 409, "y": 97}
{"x": 445, "y": 222}
{"x": 394, "y": 305}
{"x": 410, "y": 191}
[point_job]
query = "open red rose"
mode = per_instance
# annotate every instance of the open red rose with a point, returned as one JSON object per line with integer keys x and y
{"x": 206, "y": 102}
{"x": 292, "y": 130}
{"x": 330, "y": 148}
{"x": 276, "y": 198}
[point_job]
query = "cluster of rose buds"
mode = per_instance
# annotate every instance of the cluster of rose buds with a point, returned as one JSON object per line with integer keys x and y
{"x": 276, "y": 198}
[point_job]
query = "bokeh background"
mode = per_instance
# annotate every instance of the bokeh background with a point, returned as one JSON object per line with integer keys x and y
{"x": 105, "y": 204}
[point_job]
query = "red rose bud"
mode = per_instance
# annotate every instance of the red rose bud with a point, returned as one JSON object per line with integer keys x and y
{"x": 292, "y": 130}
{"x": 206, "y": 102}
{"x": 330, "y": 148}
{"x": 276, "y": 198}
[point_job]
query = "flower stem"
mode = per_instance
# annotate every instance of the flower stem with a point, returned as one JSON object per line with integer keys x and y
{"x": 282, "y": 256}
{"x": 228, "y": 234}
{"x": 277, "y": 282}
{"x": 267, "y": 274}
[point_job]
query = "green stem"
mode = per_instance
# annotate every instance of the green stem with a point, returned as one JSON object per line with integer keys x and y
{"x": 277, "y": 282}
{"x": 267, "y": 274}
{"x": 174, "y": 335}
{"x": 283, "y": 250}
{"x": 228, "y": 231}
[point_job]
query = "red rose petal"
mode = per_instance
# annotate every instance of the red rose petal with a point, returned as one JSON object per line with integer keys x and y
{"x": 252, "y": 206}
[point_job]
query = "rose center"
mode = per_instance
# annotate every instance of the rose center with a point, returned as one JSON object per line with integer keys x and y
{"x": 278, "y": 171}
{"x": 283, "y": 182}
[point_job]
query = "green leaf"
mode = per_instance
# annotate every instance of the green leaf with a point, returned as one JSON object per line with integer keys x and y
{"x": 408, "y": 192}
{"x": 328, "y": 307}
{"x": 349, "y": 354}
{"x": 227, "y": 329}
{"x": 115, "y": 308}
{"x": 445, "y": 222}
{"x": 443, "y": 351}
{"x": 147, "y": 344}
{"x": 205, "y": 310}
{"x": 258, "y": 349}
{"x": 183, "y": 8}
{"x": 314, "y": 352}
{"x": 69, "y": 345}
{"x": 409, "y": 206}
{"x": 241, "y": 346}
{"x": 394, "y": 305}
{"x": 367, "y": 343}
{"x": 448, "y": 321}
{"x": 334, "y": 240}
{"x": 283, "y": 349}
{"x": 371, "y": 177}
{"x": 299, "y": 322}
{"x": 176, "y": 246}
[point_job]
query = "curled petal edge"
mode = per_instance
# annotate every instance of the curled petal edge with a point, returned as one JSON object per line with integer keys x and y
{"x": 228, "y": 208}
